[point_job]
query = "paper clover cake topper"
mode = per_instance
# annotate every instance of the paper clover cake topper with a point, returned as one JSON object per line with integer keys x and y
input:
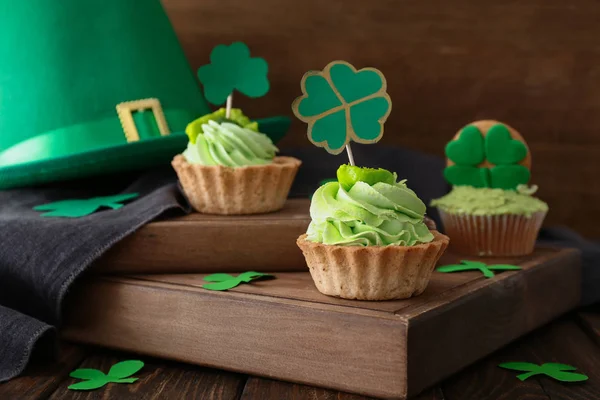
{"x": 488, "y": 154}
{"x": 342, "y": 104}
{"x": 232, "y": 68}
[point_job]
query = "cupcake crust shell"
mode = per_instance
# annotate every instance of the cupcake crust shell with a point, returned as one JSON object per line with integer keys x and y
{"x": 254, "y": 189}
{"x": 372, "y": 272}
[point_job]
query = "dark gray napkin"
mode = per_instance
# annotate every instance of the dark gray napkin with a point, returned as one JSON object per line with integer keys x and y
{"x": 41, "y": 257}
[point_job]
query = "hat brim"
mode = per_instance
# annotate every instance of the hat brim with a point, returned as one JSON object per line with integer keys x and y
{"x": 124, "y": 157}
{"x": 120, "y": 158}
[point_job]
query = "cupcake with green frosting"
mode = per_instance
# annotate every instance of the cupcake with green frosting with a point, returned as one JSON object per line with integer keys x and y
{"x": 368, "y": 239}
{"x": 490, "y": 211}
{"x": 229, "y": 167}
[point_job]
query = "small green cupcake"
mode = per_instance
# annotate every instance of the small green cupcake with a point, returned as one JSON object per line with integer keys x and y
{"x": 490, "y": 210}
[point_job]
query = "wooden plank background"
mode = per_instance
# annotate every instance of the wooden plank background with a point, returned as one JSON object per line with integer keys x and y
{"x": 534, "y": 64}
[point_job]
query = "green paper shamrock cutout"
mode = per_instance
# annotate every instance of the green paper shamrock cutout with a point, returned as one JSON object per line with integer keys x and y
{"x": 468, "y": 148}
{"x": 553, "y": 370}
{"x": 231, "y": 68}
{"x": 94, "y": 379}
{"x": 341, "y": 103}
{"x": 486, "y": 270}
{"x": 82, "y": 207}
{"x": 471, "y": 149}
{"x": 501, "y": 148}
{"x": 226, "y": 281}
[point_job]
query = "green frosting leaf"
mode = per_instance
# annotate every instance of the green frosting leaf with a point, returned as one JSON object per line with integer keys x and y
{"x": 236, "y": 116}
{"x": 509, "y": 176}
{"x": 501, "y": 148}
{"x": 467, "y": 149}
{"x": 342, "y": 104}
{"x": 348, "y": 175}
{"x": 231, "y": 68}
{"x": 466, "y": 175}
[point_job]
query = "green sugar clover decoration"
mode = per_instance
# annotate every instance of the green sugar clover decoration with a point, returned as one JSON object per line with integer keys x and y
{"x": 341, "y": 103}
{"x": 231, "y": 68}
{"x": 486, "y": 270}
{"x": 498, "y": 147}
{"x": 95, "y": 379}
{"x": 222, "y": 281}
{"x": 553, "y": 370}
{"x": 82, "y": 207}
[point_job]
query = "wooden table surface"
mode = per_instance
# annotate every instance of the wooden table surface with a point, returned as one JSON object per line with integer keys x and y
{"x": 573, "y": 339}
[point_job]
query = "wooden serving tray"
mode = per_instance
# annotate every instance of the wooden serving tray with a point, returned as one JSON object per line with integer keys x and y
{"x": 285, "y": 329}
{"x": 213, "y": 243}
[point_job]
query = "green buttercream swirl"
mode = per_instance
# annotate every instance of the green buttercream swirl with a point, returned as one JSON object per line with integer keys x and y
{"x": 381, "y": 214}
{"x": 236, "y": 116}
{"x": 486, "y": 201}
{"x": 230, "y": 145}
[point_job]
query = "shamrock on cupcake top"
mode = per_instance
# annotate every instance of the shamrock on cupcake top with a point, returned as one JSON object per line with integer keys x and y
{"x": 488, "y": 154}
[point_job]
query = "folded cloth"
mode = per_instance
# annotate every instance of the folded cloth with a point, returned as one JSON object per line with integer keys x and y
{"x": 41, "y": 257}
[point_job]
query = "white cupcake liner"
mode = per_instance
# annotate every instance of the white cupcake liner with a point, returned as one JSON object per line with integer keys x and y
{"x": 492, "y": 235}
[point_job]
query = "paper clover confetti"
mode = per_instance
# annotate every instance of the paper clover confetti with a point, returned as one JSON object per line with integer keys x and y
{"x": 231, "y": 68}
{"x": 82, "y": 207}
{"x": 95, "y": 379}
{"x": 226, "y": 281}
{"x": 471, "y": 149}
{"x": 560, "y": 372}
{"x": 341, "y": 103}
{"x": 486, "y": 270}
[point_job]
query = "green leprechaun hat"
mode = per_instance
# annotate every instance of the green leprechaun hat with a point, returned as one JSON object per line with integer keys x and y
{"x": 92, "y": 87}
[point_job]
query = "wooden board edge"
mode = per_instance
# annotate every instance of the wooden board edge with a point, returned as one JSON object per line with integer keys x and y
{"x": 241, "y": 295}
{"x": 480, "y": 283}
{"x": 440, "y": 338}
{"x": 159, "y": 249}
{"x": 148, "y": 320}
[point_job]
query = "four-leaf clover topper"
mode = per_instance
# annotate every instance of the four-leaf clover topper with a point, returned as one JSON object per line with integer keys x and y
{"x": 341, "y": 104}
{"x": 231, "y": 68}
{"x": 488, "y": 154}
